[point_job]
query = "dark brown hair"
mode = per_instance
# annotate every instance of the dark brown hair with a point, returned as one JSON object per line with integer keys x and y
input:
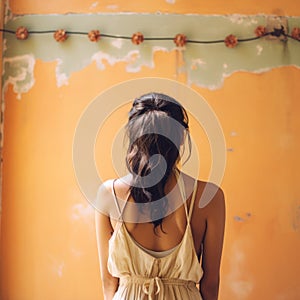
{"x": 156, "y": 129}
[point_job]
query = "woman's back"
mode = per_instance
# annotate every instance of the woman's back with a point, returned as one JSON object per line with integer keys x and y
{"x": 174, "y": 224}
{"x": 147, "y": 274}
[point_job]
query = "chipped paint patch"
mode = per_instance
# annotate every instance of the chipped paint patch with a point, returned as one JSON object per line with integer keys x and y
{"x": 61, "y": 78}
{"x": 237, "y": 19}
{"x": 118, "y": 43}
{"x": 259, "y": 49}
{"x": 132, "y": 58}
{"x": 4, "y": 47}
{"x": 240, "y": 19}
{"x": 197, "y": 62}
{"x": 100, "y": 56}
{"x": 7, "y": 12}
{"x": 19, "y": 73}
{"x": 159, "y": 48}
{"x": 171, "y": 1}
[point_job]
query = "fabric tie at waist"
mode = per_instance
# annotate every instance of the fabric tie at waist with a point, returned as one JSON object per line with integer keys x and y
{"x": 154, "y": 286}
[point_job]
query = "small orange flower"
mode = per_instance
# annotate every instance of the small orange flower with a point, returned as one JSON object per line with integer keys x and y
{"x": 231, "y": 41}
{"x": 60, "y": 35}
{"x": 137, "y": 38}
{"x": 260, "y": 31}
{"x": 180, "y": 40}
{"x": 22, "y": 33}
{"x": 296, "y": 33}
{"x": 94, "y": 35}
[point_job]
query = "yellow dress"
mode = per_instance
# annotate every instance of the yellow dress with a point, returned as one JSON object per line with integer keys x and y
{"x": 145, "y": 277}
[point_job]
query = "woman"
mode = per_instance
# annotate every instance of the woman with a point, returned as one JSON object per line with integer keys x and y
{"x": 160, "y": 239}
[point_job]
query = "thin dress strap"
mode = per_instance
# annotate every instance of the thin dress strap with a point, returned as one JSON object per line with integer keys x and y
{"x": 193, "y": 200}
{"x": 182, "y": 192}
{"x": 120, "y": 211}
{"x": 183, "y": 195}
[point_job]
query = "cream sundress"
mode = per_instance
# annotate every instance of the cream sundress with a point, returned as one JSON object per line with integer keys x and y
{"x": 145, "y": 277}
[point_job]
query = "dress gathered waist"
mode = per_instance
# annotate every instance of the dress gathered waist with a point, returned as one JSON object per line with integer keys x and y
{"x": 153, "y": 286}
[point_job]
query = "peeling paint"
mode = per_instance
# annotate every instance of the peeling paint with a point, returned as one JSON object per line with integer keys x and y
{"x": 243, "y": 20}
{"x": 7, "y": 12}
{"x": 19, "y": 73}
{"x": 159, "y": 48}
{"x": 118, "y": 43}
{"x": 205, "y": 65}
{"x": 259, "y": 49}
{"x": 99, "y": 57}
{"x": 4, "y": 47}
{"x": 197, "y": 62}
{"x": 61, "y": 78}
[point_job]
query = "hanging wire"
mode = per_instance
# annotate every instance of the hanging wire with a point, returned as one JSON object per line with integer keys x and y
{"x": 277, "y": 32}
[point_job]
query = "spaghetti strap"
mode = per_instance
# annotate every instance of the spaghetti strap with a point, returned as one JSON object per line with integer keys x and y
{"x": 120, "y": 211}
{"x": 182, "y": 192}
{"x": 116, "y": 200}
{"x": 192, "y": 200}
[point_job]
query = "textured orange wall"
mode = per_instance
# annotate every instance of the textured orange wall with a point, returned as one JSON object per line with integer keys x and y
{"x": 48, "y": 247}
{"x": 277, "y": 7}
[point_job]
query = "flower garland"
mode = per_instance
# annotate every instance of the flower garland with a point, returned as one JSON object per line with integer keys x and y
{"x": 180, "y": 40}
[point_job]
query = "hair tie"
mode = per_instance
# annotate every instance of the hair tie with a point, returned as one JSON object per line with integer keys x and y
{"x": 154, "y": 107}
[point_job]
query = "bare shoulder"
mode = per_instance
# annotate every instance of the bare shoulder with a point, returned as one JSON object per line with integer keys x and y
{"x": 105, "y": 188}
{"x": 109, "y": 193}
{"x": 209, "y": 196}
{"x": 211, "y": 203}
{"x": 122, "y": 186}
{"x": 104, "y": 199}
